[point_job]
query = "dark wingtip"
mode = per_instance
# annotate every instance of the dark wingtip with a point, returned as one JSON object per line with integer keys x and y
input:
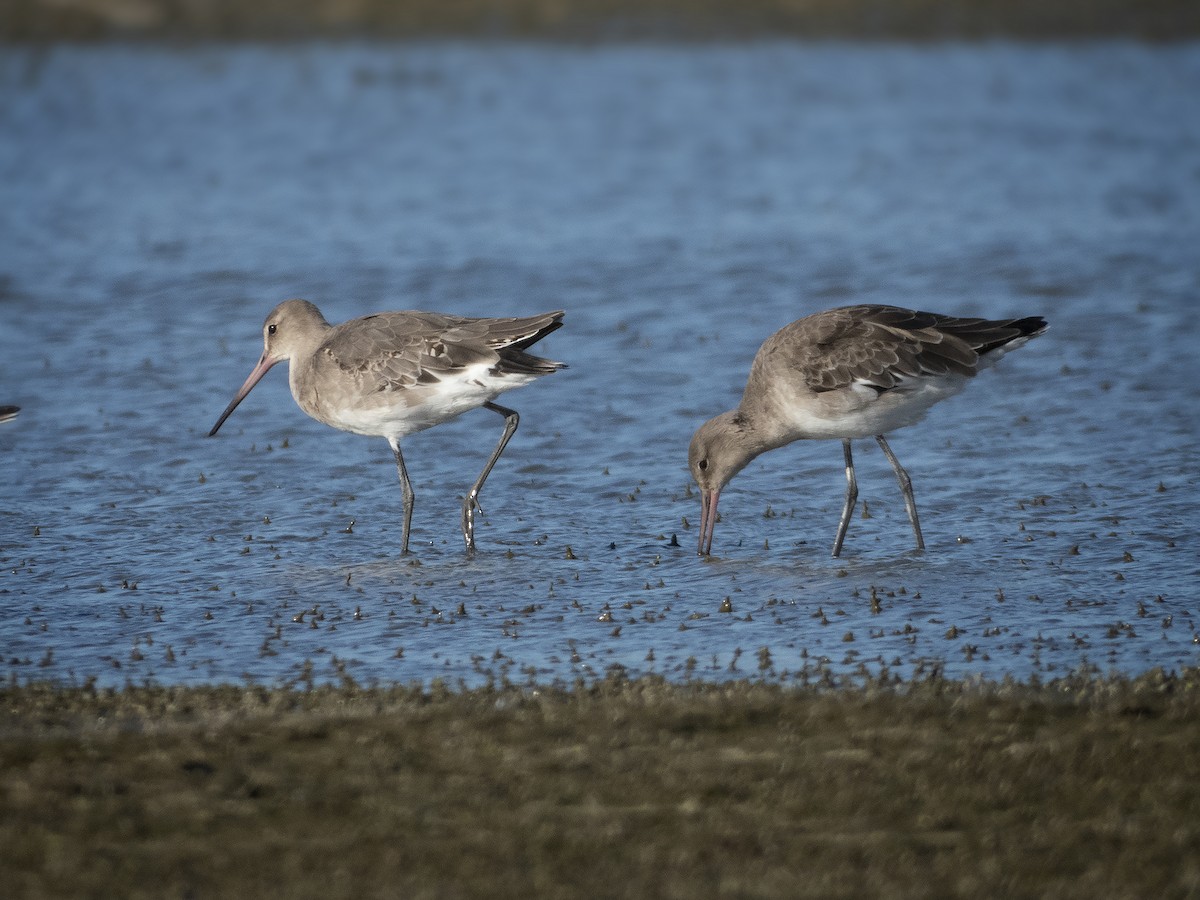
{"x": 1031, "y": 326}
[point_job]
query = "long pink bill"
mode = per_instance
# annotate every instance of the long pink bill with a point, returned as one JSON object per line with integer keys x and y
{"x": 708, "y": 520}
{"x": 264, "y": 364}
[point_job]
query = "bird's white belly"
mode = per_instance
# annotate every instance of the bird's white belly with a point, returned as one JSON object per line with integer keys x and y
{"x": 411, "y": 409}
{"x": 860, "y": 411}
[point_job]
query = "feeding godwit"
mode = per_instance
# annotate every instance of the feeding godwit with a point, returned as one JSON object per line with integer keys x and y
{"x": 853, "y": 372}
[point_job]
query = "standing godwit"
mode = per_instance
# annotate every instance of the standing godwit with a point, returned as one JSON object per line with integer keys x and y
{"x": 396, "y": 373}
{"x": 853, "y": 372}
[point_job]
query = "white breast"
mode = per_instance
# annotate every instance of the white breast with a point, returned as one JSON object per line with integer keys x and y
{"x": 860, "y": 411}
{"x": 411, "y": 409}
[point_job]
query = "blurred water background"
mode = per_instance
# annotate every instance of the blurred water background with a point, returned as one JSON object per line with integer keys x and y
{"x": 681, "y": 201}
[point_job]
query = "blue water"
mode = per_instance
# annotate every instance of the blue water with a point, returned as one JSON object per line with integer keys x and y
{"x": 681, "y": 203}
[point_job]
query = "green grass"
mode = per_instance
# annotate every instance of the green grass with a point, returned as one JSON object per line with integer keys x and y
{"x": 1082, "y": 788}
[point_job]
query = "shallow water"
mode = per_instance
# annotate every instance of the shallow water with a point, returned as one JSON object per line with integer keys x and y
{"x": 681, "y": 203}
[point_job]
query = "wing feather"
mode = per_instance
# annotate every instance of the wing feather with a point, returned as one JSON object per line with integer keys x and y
{"x": 885, "y": 346}
{"x": 396, "y": 350}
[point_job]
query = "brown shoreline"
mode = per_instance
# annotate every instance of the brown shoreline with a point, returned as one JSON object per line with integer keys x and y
{"x": 1082, "y": 787}
{"x": 588, "y": 20}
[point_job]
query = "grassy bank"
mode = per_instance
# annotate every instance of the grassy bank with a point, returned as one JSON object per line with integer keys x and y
{"x": 1083, "y": 788}
{"x": 599, "y": 19}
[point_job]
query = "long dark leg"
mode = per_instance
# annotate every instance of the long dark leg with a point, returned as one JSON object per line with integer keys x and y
{"x": 851, "y": 499}
{"x": 906, "y": 486}
{"x": 407, "y": 490}
{"x": 471, "y": 501}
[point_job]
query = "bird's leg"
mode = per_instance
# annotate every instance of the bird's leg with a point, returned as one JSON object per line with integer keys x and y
{"x": 407, "y": 490}
{"x": 910, "y": 502}
{"x": 851, "y": 499}
{"x": 471, "y": 501}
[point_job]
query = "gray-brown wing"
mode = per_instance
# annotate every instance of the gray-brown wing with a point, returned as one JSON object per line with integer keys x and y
{"x": 517, "y": 333}
{"x": 396, "y": 350}
{"x": 884, "y": 345}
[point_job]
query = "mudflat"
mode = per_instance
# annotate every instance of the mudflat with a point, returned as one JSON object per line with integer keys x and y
{"x": 1084, "y": 786}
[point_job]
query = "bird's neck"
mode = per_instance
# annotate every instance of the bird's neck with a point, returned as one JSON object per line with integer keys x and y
{"x": 301, "y": 362}
{"x": 756, "y": 432}
{"x": 749, "y": 433}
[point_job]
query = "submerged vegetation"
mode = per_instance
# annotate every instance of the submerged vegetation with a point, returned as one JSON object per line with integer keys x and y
{"x": 1079, "y": 787}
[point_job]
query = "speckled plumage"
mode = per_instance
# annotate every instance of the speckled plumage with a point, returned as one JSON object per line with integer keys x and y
{"x": 846, "y": 373}
{"x": 395, "y": 373}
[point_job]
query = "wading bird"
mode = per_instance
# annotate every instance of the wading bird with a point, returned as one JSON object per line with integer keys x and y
{"x": 852, "y": 372}
{"x": 396, "y": 373}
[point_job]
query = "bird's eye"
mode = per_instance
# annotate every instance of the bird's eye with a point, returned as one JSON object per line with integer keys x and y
{"x": 703, "y": 464}
{"x": 271, "y": 329}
